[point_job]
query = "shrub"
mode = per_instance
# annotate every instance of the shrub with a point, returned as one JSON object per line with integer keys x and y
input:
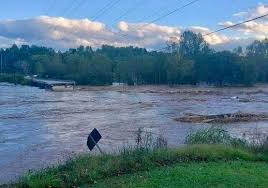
{"x": 214, "y": 136}
{"x": 149, "y": 140}
{"x": 14, "y": 78}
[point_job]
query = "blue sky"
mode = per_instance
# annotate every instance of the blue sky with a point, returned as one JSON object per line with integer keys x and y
{"x": 205, "y": 13}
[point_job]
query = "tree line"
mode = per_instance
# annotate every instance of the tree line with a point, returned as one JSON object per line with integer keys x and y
{"x": 191, "y": 61}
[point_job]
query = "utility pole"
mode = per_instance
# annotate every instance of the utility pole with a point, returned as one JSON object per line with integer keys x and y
{"x": 1, "y": 62}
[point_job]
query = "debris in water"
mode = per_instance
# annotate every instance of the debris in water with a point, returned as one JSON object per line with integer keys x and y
{"x": 234, "y": 97}
{"x": 223, "y": 118}
{"x": 244, "y": 100}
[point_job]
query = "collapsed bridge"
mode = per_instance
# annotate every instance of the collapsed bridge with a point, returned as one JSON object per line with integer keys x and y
{"x": 54, "y": 85}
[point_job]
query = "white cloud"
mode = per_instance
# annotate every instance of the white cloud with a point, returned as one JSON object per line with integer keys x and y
{"x": 213, "y": 39}
{"x": 148, "y": 35}
{"x": 252, "y": 28}
{"x": 64, "y": 33}
{"x": 7, "y": 42}
{"x": 256, "y": 28}
{"x": 240, "y": 14}
{"x": 233, "y": 43}
{"x": 57, "y": 32}
{"x": 123, "y": 26}
{"x": 247, "y": 32}
{"x": 259, "y": 10}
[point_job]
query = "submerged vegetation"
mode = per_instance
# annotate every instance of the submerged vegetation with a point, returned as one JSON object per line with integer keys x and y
{"x": 206, "y": 151}
{"x": 191, "y": 61}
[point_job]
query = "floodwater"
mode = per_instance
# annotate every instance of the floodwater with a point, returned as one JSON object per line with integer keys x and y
{"x": 39, "y": 128}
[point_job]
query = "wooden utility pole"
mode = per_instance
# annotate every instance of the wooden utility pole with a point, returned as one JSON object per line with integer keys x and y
{"x": 1, "y": 63}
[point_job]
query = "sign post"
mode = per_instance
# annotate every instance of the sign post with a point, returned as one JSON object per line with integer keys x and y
{"x": 93, "y": 139}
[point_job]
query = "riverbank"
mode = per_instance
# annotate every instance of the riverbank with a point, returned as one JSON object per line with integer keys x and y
{"x": 158, "y": 89}
{"x": 190, "y": 166}
{"x": 14, "y": 79}
{"x": 180, "y": 89}
{"x": 209, "y": 150}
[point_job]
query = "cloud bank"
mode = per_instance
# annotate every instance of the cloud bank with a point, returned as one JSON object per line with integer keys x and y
{"x": 63, "y": 33}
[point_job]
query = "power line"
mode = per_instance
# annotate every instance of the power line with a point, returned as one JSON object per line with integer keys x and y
{"x": 105, "y": 9}
{"x": 68, "y": 8}
{"x": 234, "y": 25}
{"x": 65, "y": 10}
{"x": 109, "y": 6}
{"x": 168, "y": 14}
{"x": 173, "y": 11}
{"x": 228, "y": 27}
{"x": 50, "y": 7}
{"x": 120, "y": 34}
{"x": 79, "y": 5}
{"x": 155, "y": 13}
{"x": 130, "y": 10}
{"x": 102, "y": 9}
{"x": 112, "y": 3}
{"x": 68, "y": 11}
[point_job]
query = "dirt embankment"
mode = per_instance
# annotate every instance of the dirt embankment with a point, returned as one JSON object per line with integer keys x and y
{"x": 223, "y": 118}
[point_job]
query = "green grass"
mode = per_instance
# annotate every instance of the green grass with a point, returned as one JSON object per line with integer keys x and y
{"x": 196, "y": 175}
{"x": 153, "y": 165}
{"x": 212, "y": 158}
{"x": 14, "y": 78}
{"x": 87, "y": 170}
{"x": 215, "y": 135}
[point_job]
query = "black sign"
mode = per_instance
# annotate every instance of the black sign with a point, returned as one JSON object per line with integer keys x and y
{"x": 93, "y": 138}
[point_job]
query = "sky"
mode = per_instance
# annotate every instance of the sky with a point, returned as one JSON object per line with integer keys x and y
{"x": 64, "y": 24}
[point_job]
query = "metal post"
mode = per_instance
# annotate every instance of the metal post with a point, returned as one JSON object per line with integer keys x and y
{"x": 1, "y": 63}
{"x": 97, "y": 145}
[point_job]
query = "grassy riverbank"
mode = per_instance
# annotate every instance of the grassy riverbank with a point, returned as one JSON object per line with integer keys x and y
{"x": 211, "y": 158}
{"x": 195, "y": 175}
{"x": 211, "y": 165}
{"x": 14, "y": 79}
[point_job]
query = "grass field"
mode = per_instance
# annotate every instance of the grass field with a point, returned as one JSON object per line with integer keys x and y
{"x": 190, "y": 166}
{"x": 211, "y": 159}
{"x": 197, "y": 175}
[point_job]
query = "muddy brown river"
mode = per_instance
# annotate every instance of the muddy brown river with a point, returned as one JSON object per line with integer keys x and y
{"x": 39, "y": 128}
